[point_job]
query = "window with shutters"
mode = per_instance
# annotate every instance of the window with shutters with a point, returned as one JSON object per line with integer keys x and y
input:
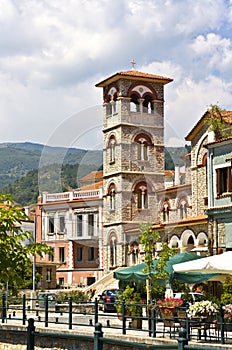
{"x": 224, "y": 180}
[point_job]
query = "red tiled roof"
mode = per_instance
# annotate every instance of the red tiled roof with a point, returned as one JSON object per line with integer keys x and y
{"x": 226, "y": 116}
{"x": 169, "y": 173}
{"x": 94, "y": 186}
{"x": 134, "y": 75}
{"x": 93, "y": 176}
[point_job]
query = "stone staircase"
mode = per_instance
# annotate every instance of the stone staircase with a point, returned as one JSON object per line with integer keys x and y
{"x": 107, "y": 281}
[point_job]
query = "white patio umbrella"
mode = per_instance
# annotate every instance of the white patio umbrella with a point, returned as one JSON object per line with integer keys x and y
{"x": 221, "y": 264}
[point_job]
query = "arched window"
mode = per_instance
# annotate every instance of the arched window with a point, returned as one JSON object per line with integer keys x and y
{"x": 142, "y": 149}
{"x": 134, "y": 252}
{"x": 113, "y": 251}
{"x": 142, "y": 196}
{"x": 148, "y": 105}
{"x": 143, "y": 141}
{"x": 111, "y": 194}
{"x": 165, "y": 211}
{"x": 183, "y": 204}
{"x": 134, "y": 103}
{"x": 110, "y": 98}
{"x": 111, "y": 147}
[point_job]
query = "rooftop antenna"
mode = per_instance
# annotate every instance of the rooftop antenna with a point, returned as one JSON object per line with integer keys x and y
{"x": 133, "y": 64}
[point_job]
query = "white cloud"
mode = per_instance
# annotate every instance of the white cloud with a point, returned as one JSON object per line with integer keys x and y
{"x": 52, "y": 53}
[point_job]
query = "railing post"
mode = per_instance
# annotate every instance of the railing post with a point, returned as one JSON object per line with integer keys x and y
{"x": 222, "y": 325}
{"x": 187, "y": 324}
{"x": 70, "y": 313}
{"x": 3, "y": 307}
{"x": 123, "y": 317}
{"x": 30, "y": 334}
{"x": 24, "y": 309}
{"x": 153, "y": 319}
{"x": 46, "y": 310}
{"x": 182, "y": 339}
{"x": 95, "y": 311}
{"x": 98, "y": 334}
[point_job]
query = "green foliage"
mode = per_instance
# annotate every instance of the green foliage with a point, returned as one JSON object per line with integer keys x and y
{"x": 25, "y": 190}
{"x": 19, "y": 164}
{"x": 216, "y": 122}
{"x": 157, "y": 292}
{"x": 226, "y": 297}
{"x": 164, "y": 256}
{"x": 132, "y": 300}
{"x": 148, "y": 239}
{"x": 169, "y": 163}
{"x": 15, "y": 254}
{"x": 76, "y": 295}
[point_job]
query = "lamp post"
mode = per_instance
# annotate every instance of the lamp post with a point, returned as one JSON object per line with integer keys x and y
{"x": 34, "y": 258}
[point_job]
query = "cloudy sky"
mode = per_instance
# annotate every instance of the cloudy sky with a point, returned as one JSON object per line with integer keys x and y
{"x": 53, "y": 52}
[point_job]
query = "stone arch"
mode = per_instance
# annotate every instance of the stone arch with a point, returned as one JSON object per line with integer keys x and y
{"x": 174, "y": 242}
{"x": 202, "y": 239}
{"x": 111, "y": 147}
{"x": 188, "y": 239}
{"x": 111, "y": 94}
{"x": 111, "y": 192}
{"x": 165, "y": 208}
{"x": 112, "y": 244}
{"x": 134, "y": 252}
{"x": 182, "y": 205}
{"x": 142, "y": 97}
{"x": 142, "y": 90}
{"x": 198, "y": 148}
{"x": 143, "y": 135}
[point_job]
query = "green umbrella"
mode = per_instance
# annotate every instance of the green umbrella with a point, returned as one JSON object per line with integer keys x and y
{"x": 135, "y": 273}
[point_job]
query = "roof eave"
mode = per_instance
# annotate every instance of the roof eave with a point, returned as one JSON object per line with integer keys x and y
{"x": 118, "y": 76}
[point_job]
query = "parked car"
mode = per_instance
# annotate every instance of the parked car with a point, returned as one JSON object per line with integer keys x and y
{"x": 193, "y": 296}
{"x": 107, "y": 299}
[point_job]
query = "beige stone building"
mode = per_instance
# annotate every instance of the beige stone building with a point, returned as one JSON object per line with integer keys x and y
{"x": 133, "y": 160}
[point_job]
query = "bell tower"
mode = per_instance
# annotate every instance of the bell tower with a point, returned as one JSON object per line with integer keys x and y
{"x": 133, "y": 160}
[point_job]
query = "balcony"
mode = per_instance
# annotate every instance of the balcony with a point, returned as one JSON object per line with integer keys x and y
{"x": 71, "y": 195}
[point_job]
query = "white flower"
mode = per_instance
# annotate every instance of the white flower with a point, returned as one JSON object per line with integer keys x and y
{"x": 201, "y": 308}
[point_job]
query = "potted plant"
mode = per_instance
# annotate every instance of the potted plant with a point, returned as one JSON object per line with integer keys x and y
{"x": 201, "y": 309}
{"x": 228, "y": 316}
{"x": 133, "y": 307}
{"x": 168, "y": 305}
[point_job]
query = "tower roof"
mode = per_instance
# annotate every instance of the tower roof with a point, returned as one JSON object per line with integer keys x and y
{"x": 134, "y": 75}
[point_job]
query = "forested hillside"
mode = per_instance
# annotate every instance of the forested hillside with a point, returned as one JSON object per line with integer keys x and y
{"x": 27, "y": 169}
{"x": 17, "y": 159}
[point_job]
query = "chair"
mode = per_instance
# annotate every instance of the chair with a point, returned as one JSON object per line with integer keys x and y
{"x": 169, "y": 322}
{"x": 202, "y": 324}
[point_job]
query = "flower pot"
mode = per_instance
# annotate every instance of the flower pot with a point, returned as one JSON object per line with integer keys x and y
{"x": 228, "y": 327}
{"x": 128, "y": 313}
{"x": 168, "y": 310}
{"x": 136, "y": 323}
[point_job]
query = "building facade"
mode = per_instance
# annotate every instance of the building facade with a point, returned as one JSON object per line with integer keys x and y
{"x": 133, "y": 160}
{"x": 95, "y": 228}
{"x": 71, "y": 223}
{"x": 220, "y": 194}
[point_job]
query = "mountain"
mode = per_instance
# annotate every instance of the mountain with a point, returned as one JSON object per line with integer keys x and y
{"x": 17, "y": 159}
{"x": 27, "y": 169}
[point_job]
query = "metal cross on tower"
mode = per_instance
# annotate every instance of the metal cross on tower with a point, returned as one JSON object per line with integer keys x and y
{"x": 133, "y": 64}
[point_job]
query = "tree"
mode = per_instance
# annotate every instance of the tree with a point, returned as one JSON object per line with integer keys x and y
{"x": 148, "y": 239}
{"x": 17, "y": 247}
